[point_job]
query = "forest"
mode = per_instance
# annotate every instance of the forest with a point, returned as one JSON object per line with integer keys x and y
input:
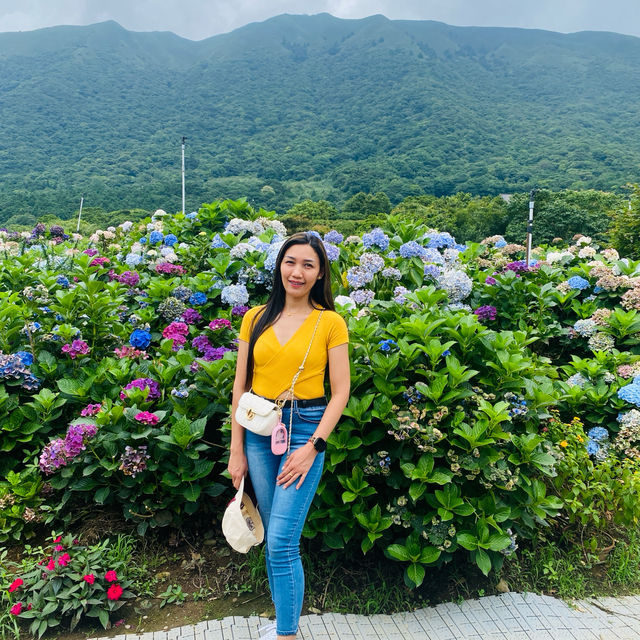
{"x": 310, "y": 108}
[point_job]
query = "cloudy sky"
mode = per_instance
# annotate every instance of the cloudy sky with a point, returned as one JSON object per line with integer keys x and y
{"x": 197, "y": 19}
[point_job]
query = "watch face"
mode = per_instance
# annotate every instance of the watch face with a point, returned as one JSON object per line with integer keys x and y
{"x": 320, "y": 445}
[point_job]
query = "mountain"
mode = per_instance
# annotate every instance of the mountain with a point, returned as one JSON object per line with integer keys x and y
{"x": 310, "y": 106}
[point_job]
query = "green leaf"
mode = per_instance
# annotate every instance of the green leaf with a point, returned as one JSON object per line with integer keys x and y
{"x": 399, "y": 552}
{"x": 101, "y": 495}
{"x": 416, "y": 573}
{"x": 483, "y": 561}
{"x": 103, "y": 616}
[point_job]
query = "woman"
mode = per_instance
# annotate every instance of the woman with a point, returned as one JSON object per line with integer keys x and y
{"x": 273, "y": 341}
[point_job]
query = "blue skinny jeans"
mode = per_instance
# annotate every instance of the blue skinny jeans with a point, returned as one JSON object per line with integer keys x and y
{"x": 283, "y": 512}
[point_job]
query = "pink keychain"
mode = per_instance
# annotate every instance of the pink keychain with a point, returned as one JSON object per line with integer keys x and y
{"x": 279, "y": 439}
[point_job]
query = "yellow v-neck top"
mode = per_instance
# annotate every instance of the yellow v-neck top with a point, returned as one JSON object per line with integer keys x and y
{"x": 275, "y": 364}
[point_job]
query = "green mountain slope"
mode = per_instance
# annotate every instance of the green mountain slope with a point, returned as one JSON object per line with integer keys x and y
{"x": 310, "y": 106}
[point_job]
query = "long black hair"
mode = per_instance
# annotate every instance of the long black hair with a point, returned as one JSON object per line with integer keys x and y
{"x": 320, "y": 293}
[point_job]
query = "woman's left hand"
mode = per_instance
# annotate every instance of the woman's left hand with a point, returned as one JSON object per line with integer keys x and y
{"x": 297, "y": 466}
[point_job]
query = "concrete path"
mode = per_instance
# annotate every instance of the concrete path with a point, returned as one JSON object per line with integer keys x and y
{"x": 511, "y": 616}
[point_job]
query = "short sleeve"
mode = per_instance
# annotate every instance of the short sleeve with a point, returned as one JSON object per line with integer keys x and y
{"x": 247, "y": 323}
{"x": 338, "y": 332}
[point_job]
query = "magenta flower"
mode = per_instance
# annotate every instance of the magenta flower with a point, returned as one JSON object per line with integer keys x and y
{"x": 63, "y": 560}
{"x": 146, "y": 417}
{"x": 191, "y": 316}
{"x": 91, "y": 410}
{"x": 130, "y": 278}
{"x": 171, "y": 269}
{"x": 143, "y": 383}
{"x": 76, "y": 348}
{"x": 219, "y": 323}
{"x": 99, "y": 262}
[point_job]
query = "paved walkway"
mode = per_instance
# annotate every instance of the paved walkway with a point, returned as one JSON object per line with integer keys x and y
{"x": 511, "y": 616}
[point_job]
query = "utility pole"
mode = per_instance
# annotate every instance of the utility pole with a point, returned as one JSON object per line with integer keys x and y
{"x": 183, "y": 191}
{"x": 530, "y": 225}
{"x": 79, "y": 214}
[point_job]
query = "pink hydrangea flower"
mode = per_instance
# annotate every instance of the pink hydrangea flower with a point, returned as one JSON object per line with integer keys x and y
{"x": 219, "y": 323}
{"x": 91, "y": 410}
{"x": 146, "y": 417}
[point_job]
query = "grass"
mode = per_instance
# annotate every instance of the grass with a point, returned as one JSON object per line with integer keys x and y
{"x": 610, "y": 568}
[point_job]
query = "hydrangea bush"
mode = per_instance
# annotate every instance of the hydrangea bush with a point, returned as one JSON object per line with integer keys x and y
{"x": 117, "y": 362}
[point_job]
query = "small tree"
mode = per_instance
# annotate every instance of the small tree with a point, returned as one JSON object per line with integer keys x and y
{"x": 625, "y": 231}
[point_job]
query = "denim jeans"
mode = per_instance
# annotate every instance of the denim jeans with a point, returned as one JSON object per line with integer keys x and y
{"x": 284, "y": 511}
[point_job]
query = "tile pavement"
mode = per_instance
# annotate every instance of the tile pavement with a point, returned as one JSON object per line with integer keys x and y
{"x": 510, "y": 616}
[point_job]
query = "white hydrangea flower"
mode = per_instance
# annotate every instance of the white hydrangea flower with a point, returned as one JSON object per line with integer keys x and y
{"x": 586, "y": 252}
{"x": 345, "y": 301}
{"x": 126, "y": 226}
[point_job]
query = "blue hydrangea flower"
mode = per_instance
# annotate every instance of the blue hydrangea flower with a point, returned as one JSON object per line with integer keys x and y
{"x": 333, "y": 252}
{"x": 387, "y": 345}
{"x": 133, "y": 259}
{"x": 630, "y": 393}
{"x": 500, "y": 243}
{"x": 432, "y": 255}
{"x": 376, "y": 238}
{"x": 143, "y": 240}
{"x": 392, "y": 272}
{"x": 333, "y": 236}
{"x": 578, "y": 282}
{"x": 372, "y": 262}
{"x": 439, "y": 240}
{"x": 598, "y": 433}
{"x": 432, "y": 271}
{"x": 25, "y": 357}
{"x": 363, "y": 296}
{"x": 592, "y": 447}
{"x": 170, "y": 239}
{"x": 140, "y": 339}
{"x": 191, "y": 216}
{"x": 577, "y": 380}
{"x": 234, "y": 295}
{"x": 218, "y": 242}
{"x": 411, "y": 249}
{"x": 460, "y": 247}
{"x": 358, "y": 277}
{"x": 155, "y": 237}
{"x": 63, "y": 281}
{"x": 316, "y": 234}
{"x": 197, "y": 298}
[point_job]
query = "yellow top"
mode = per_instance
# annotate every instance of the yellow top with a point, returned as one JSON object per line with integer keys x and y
{"x": 275, "y": 364}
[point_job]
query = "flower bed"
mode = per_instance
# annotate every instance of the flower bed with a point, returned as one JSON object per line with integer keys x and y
{"x": 118, "y": 356}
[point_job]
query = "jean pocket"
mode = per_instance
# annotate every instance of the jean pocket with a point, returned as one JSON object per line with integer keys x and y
{"x": 310, "y": 414}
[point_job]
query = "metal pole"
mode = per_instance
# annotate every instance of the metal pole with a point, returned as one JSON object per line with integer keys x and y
{"x": 183, "y": 191}
{"x": 530, "y": 224}
{"x": 79, "y": 214}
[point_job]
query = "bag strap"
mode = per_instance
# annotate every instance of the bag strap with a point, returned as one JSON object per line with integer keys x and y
{"x": 295, "y": 378}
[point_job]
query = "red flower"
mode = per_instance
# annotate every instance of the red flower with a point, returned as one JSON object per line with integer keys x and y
{"x": 16, "y": 609}
{"x": 90, "y": 578}
{"x": 52, "y": 564}
{"x": 18, "y": 582}
{"x": 110, "y": 576}
{"x": 114, "y": 592}
{"x": 63, "y": 560}
{"x": 58, "y": 539}
{"x": 59, "y": 547}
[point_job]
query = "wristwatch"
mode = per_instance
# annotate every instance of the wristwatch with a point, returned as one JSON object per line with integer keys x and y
{"x": 319, "y": 444}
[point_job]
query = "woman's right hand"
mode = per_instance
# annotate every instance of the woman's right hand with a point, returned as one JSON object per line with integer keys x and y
{"x": 237, "y": 467}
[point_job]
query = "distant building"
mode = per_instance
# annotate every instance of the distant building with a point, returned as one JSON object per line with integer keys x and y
{"x": 506, "y": 197}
